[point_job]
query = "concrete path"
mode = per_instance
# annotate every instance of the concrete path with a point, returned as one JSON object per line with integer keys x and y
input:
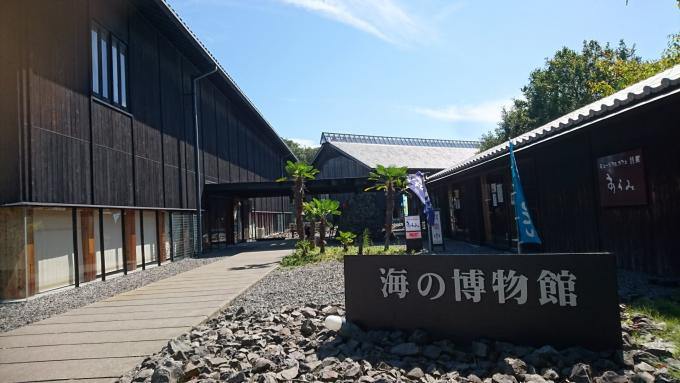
{"x": 102, "y": 341}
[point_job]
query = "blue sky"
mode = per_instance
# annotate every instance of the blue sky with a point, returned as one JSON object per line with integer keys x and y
{"x": 418, "y": 68}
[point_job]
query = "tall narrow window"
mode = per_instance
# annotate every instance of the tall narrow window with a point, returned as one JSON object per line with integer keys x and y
{"x": 104, "y": 50}
{"x": 114, "y": 71}
{"x": 95, "y": 61}
{"x": 123, "y": 75}
{"x": 109, "y": 67}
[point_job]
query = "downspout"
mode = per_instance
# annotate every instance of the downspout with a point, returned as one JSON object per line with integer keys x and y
{"x": 197, "y": 148}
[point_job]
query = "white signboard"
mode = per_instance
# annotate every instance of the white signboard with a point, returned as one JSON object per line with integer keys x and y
{"x": 412, "y": 227}
{"x": 437, "y": 238}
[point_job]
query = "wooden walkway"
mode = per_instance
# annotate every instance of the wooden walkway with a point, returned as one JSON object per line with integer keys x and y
{"x": 102, "y": 341}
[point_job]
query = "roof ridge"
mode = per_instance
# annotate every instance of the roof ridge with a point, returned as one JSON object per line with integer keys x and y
{"x": 393, "y": 140}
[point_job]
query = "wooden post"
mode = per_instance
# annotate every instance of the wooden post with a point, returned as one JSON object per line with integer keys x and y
{"x": 76, "y": 261}
{"x": 87, "y": 245}
{"x": 30, "y": 254}
{"x": 102, "y": 256}
{"x": 130, "y": 239}
{"x": 160, "y": 236}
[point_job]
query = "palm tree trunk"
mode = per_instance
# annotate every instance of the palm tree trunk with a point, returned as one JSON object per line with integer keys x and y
{"x": 312, "y": 233}
{"x": 322, "y": 235}
{"x": 389, "y": 211}
{"x": 298, "y": 193}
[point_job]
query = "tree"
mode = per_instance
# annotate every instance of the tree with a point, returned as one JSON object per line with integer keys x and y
{"x": 321, "y": 209}
{"x": 570, "y": 80}
{"x": 303, "y": 153}
{"x": 346, "y": 238}
{"x": 392, "y": 180}
{"x": 299, "y": 172}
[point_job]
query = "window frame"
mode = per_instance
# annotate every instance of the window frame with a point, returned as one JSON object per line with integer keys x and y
{"x": 106, "y": 84}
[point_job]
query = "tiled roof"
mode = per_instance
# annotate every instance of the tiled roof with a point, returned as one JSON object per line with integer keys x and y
{"x": 414, "y": 153}
{"x": 637, "y": 92}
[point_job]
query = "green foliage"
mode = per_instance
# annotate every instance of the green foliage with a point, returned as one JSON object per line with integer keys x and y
{"x": 391, "y": 179}
{"x": 366, "y": 239}
{"x": 388, "y": 178}
{"x": 662, "y": 310}
{"x": 346, "y": 238}
{"x": 303, "y": 153}
{"x": 571, "y": 79}
{"x": 299, "y": 172}
{"x": 302, "y": 255}
{"x": 335, "y": 253}
{"x": 321, "y": 209}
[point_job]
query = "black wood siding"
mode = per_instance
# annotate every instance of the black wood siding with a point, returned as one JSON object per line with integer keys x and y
{"x": 71, "y": 148}
{"x": 560, "y": 181}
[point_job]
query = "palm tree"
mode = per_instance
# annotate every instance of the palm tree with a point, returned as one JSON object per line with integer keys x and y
{"x": 321, "y": 209}
{"x": 299, "y": 172}
{"x": 391, "y": 179}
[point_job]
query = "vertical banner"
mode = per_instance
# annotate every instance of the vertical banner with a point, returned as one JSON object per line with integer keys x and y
{"x": 437, "y": 239}
{"x": 525, "y": 227}
{"x": 416, "y": 183}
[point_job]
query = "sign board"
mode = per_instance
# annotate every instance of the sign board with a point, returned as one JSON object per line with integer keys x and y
{"x": 621, "y": 179}
{"x": 413, "y": 233}
{"x": 437, "y": 238}
{"x": 530, "y": 299}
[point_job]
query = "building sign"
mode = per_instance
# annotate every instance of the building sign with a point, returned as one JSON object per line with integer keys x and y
{"x": 436, "y": 228}
{"x": 412, "y": 226}
{"x": 621, "y": 179}
{"x": 531, "y": 299}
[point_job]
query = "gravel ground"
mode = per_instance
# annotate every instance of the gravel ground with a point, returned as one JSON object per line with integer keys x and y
{"x": 14, "y": 315}
{"x": 321, "y": 284}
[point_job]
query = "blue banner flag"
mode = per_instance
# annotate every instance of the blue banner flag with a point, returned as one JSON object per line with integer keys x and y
{"x": 525, "y": 226}
{"x": 416, "y": 183}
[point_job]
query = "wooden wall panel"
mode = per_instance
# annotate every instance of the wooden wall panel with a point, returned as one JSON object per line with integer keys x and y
{"x": 208, "y": 131}
{"x": 59, "y": 124}
{"x": 130, "y": 238}
{"x": 13, "y": 85}
{"x": 172, "y": 109}
{"x": 12, "y": 254}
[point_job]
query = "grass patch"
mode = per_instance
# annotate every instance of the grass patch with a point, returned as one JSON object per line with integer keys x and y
{"x": 336, "y": 253}
{"x": 666, "y": 310}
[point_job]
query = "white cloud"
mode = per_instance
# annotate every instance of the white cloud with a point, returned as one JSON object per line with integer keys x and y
{"x": 305, "y": 142}
{"x": 486, "y": 112}
{"x": 384, "y": 19}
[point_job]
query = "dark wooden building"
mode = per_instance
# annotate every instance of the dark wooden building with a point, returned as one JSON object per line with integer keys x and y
{"x": 98, "y": 115}
{"x": 353, "y": 155}
{"x": 605, "y": 177}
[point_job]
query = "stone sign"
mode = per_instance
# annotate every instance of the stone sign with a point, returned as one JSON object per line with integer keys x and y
{"x": 530, "y": 299}
{"x": 621, "y": 179}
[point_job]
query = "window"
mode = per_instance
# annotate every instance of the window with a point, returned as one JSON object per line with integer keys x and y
{"x": 109, "y": 67}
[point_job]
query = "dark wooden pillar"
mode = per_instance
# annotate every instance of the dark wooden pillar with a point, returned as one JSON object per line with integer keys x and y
{"x": 160, "y": 236}
{"x": 130, "y": 239}
{"x": 30, "y": 254}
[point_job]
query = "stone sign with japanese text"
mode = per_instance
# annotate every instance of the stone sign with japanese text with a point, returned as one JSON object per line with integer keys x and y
{"x": 621, "y": 179}
{"x": 530, "y": 299}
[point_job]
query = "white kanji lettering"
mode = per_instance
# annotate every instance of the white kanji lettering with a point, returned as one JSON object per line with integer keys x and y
{"x": 394, "y": 282}
{"x": 610, "y": 183}
{"x": 471, "y": 284}
{"x": 510, "y": 285}
{"x": 557, "y": 288}
{"x": 428, "y": 278}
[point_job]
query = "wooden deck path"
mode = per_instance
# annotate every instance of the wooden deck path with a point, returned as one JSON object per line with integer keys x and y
{"x": 102, "y": 341}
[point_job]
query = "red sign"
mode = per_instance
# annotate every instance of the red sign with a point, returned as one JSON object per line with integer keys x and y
{"x": 621, "y": 179}
{"x": 413, "y": 235}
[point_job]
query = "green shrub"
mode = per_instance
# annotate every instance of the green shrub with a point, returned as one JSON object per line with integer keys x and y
{"x": 346, "y": 238}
